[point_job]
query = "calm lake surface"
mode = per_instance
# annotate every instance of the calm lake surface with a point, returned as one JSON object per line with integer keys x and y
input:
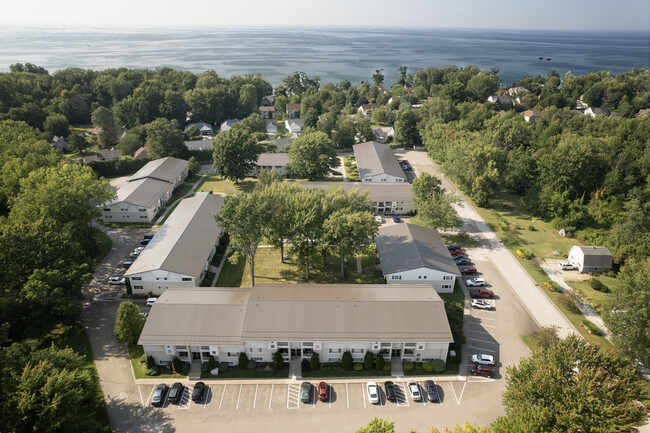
{"x": 334, "y": 54}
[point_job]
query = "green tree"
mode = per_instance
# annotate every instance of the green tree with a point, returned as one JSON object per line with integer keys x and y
{"x": 434, "y": 206}
{"x": 307, "y": 227}
{"x": 378, "y": 77}
{"x": 311, "y": 156}
{"x": 572, "y": 386}
{"x": 243, "y": 361}
{"x": 380, "y": 361}
{"x": 280, "y": 226}
{"x": 380, "y": 116}
{"x": 347, "y": 360}
{"x": 129, "y": 143}
{"x": 314, "y": 362}
{"x": 406, "y": 127}
{"x": 310, "y": 117}
{"x": 368, "y": 360}
{"x": 627, "y": 314}
{"x": 278, "y": 362}
{"x": 193, "y": 166}
{"x": 235, "y": 153}
{"x": 255, "y": 122}
{"x": 78, "y": 142}
{"x": 378, "y": 425}
{"x": 163, "y": 139}
{"x": 364, "y": 129}
{"x": 57, "y": 124}
{"x": 103, "y": 119}
{"x": 344, "y": 137}
{"x": 466, "y": 428}
{"x": 266, "y": 178}
{"x": 129, "y": 323}
{"x": 401, "y": 81}
{"x": 193, "y": 133}
{"x": 481, "y": 86}
{"x": 248, "y": 101}
{"x": 349, "y": 233}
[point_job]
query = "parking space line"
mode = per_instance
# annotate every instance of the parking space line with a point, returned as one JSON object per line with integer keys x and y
{"x": 255, "y": 398}
{"x": 185, "y": 401}
{"x": 347, "y": 394}
{"x": 479, "y": 332}
{"x": 329, "y": 399}
{"x": 141, "y": 399}
{"x": 271, "y": 396}
{"x": 148, "y": 398}
{"x": 207, "y": 396}
{"x": 400, "y": 391}
{"x": 239, "y": 396}
{"x": 363, "y": 395}
{"x": 293, "y": 396}
{"x": 222, "y": 394}
{"x": 482, "y": 341}
{"x": 484, "y": 350}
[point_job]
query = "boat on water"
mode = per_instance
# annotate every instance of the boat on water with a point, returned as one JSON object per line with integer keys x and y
{"x": 541, "y": 58}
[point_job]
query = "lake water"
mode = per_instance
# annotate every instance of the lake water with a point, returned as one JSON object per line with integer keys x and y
{"x": 333, "y": 54}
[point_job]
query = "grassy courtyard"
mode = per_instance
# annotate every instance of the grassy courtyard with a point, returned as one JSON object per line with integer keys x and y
{"x": 269, "y": 270}
{"x": 216, "y": 184}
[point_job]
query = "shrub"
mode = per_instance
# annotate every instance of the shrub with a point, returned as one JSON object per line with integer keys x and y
{"x": 566, "y": 301}
{"x": 212, "y": 363}
{"x": 591, "y": 328}
{"x": 168, "y": 366}
{"x": 346, "y": 361}
{"x": 314, "y": 362}
{"x": 599, "y": 285}
{"x": 177, "y": 365}
{"x": 305, "y": 365}
{"x": 455, "y": 313}
{"x": 386, "y": 367}
{"x": 407, "y": 366}
{"x": 278, "y": 362}
{"x": 427, "y": 366}
{"x": 223, "y": 367}
{"x": 532, "y": 228}
{"x": 243, "y": 361}
{"x": 379, "y": 363}
{"x": 143, "y": 358}
{"x": 552, "y": 286}
{"x": 153, "y": 371}
{"x": 252, "y": 365}
{"x": 438, "y": 365}
{"x": 368, "y": 360}
{"x": 150, "y": 361}
{"x": 358, "y": 366}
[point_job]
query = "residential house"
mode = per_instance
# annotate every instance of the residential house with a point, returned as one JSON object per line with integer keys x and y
{"x": 366, "y": 109}
{"x": 595, "y": 111}
{"x": 387, "y": 198}
{"x": 198, "y": 144}
{"x": 180, "y": 253}
{"x": 411, "y": 254}
{"x": 227, "y": 124}
{"x": 204, "y": 128}
{"x": 270, "y": 161}
{"x": 377, "y": 163}
{"x": 297, "y": 320}
{"x": 590, "y": 259}
{"x": 103, "y": 155}
{"x": 294, "y": 125}
{"x": 531, "y": 116}
{"x": 379, "y": 134}
{"x": 513, "y": 91}
{"x": 642, "y": 113}
{"x": 138, "y": 201}
{"x": 169, "y": 169}
{"x": 271, "y": 126}
{"x": 293, "y": 110}
{"x": 282, "y": 144}
{"x": 141, "y": 153}
{"x": 502, "y": 99}
{"x": 60, "y": 143}
{"x": 267, "y": 112}
{"x": 268, "y": 101}
{"x": 402, "y": 100}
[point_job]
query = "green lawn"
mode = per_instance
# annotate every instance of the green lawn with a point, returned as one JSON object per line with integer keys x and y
{"x": 103, "y": 244}
{"x": 180, "y": 192}
{"x": 236, "y": 373}
{"x": 340, "y": 372}
{"x": 135, "y": 352}
{"x": 214, "y": 183}
{"x": 269, "y": 270}
{"x": 419, "y": 371}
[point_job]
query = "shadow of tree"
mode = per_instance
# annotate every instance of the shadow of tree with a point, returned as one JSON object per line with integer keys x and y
{"x": 130, "y": 417}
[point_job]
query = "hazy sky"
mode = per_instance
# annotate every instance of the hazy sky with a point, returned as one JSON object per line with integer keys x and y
{"x": 497, "y": 14}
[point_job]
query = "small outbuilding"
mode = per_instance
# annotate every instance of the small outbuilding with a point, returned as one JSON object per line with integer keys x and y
{"x": 590, "y": 259}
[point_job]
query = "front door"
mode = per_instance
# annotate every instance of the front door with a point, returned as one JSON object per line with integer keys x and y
{"x": 196, "y": 355}
{"x": 396, "y": 353}
{"x": 295, "y": 352}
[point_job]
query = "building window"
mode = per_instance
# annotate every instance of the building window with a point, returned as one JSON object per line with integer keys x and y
{"x": 186, "y": 279}
{"x": 106, "y": 209}
{"x": 446, "y": 286}
{"x": 182, "y": 354}
{"x": 138, "y": 287}
{"x": 136, "y": 278}
{"x": 419, "y": 277}
{"x": 257, "y": 358}
{"x": 396, "y": 277}
{"x": 337, "y": 351}
{"x": 255, "y": 350}
{"x": 142, "y": 210}
{"x": 447, "y": 277}
{"x": 308, "y": 344}
{"x": 425, "y": 277}
{"x": 357, "y": 351}
{"x": 409, "y": 344}
{"x": 232, "y": 354}
{"x": 283, "y": 344}
{"x": 143, "y": 217}
{"x": 408, "y": 352}
{"x": 205, "y": 347}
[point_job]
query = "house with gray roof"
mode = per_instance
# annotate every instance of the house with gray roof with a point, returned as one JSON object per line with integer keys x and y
{"x": 227, "y": 124}
{"x": 271, "y": 161}
{"x": 595, "y": 111}
{"x": 198, "y": 144}
{"x": 169, "y": 169}
{"x": 282, "y": 144}
{"x": 267, "y": 112}
{"x": 138, "y": 201}
{"x": 60, "y": 143}
{"x": 180, "y": 253}
{"x": 297, "y": 320}
{"x": 377, "y": 163}
{"x": 271, "y": 126}
{"x": 590, "y": 259}
{"x": 411, "y": 254}
{"x": 204, "y": 128}
{"x": 387, "y": 198}
{"x": 294, "y": 125}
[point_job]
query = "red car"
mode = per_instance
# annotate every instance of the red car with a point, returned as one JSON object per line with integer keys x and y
{"x": 457, "y": 252}
{"x": 323, "y": 390}
{"x": 481, "y": 293}
{"x": 467, "y": 270}
{"x": 481, "y": 370}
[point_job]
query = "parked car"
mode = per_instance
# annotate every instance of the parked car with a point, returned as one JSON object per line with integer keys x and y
{"x": 176, "y": 392}
{"x": 453, "y": 247}
{"x": 305, "y": 392}
{"x": 481, "y": 293}
{"x": 145, "y": 315}
{"x": 323, "y": 391}
{"x": 475, "y": 282}
{"x": 566, "y": 266}
{"x": 373, "y": 392}
{"x": 482, "y": 304}
{"x": 116, "y": 281}
{"x": 379, "y": 219}
{"x": 467, "y": 270}
{"x": 390, "y": 391}
{"x": 463, "y": 261}
{"x": 145, "y": 241}
{"x": 159, "y": 394}
{"x": 456, "y": 253}
{"x": 337, "y": 173}
{"x": 460, "y": 257}
{"x": 481, "y": 370}
{"x": 127, "y": 264}
{"x": 396, "y": 219}
{"x": 483, "y": 359}
{"x": 414, "y": 390}
{"x": 432, "y": 391}
{"x": 197, "y": 393}
{"x": 149, "y": 236}
{"x": 135, "y": 253}
{"x": 150, "y": 301}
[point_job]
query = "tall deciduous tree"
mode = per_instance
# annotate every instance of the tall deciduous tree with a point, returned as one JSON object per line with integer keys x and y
{"x": 311, "y": 156}
{"x": 349, "y": 233}
{"x": 378, "y": 425}
{"x": 57, "y": 124}
{"x": 378, "y": 77}
{"x": 163, "y": 140}
{"x": 406, "y": 127}
{"x": 434, "y": 206}
{"x": 344, "y": 137}
{"x": 129, "y": 323}
{"x": 280, "y": 220}
{"x": 572, "y": 386}
{"x": 234, "y": 153}
{"x": 307, "y": 228}
{"x": 103, "y": 118}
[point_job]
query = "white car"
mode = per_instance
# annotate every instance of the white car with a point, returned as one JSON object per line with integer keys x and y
{"x": 473, "y": 282}
{"x": 482, "y": 304}
{"x": 116, "y": 281}
{"x": 483, "y": 359}
{"x": 379, "y": 219}
{"x": 135, "y": 253}
{"x": 373, "y": 392}
{"x": 566, "y": 266}
{"x": 414, "y": 390}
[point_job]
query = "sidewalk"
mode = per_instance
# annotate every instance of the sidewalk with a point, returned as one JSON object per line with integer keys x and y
{"x": 171, "y": 206}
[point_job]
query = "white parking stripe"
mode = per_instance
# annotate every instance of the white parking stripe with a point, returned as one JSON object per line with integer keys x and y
{"x": 483, "y": 341}
{"x": 207, "y": 396}
{"x": 255, "y": 398}
{"x": 222, "y": 394}
{"x": 400, "y": 394}
{"x": 482, "y": 349}
{"x": 293, "y": 396}
{"x": 363, "y": 395}
{"x": 347, "y": 394}
{"x": 271, "y": 396}
{"x": 150, "y": 394}
{"x": 239, "y": 396}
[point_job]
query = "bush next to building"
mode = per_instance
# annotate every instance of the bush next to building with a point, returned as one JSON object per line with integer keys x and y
{"x": 212, "y": 363}
{"x": 223, "y": 367}
{"x": 177, "y": 365}
{"x": 438, "y": 365}
{"x": 252, "y": 365}
{"x": 358, "y": 366}
{"x": 408, "y": 366}
{"x": 368, "y": 360}
{"x": 314, "y": 362}
{"x": 379, "y": 363}
{"x": 278, "y": 362}
{"x": 427, "y": 366}
{"x": 243, "y": 360}
{"x": 150, "y": 362}
{"x": 346, "y": 360}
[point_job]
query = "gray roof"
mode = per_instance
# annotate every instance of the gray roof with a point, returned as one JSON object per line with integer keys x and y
{"x": 226, "y": 124}
{"x": 201, "y": 126}
{"x": 403, "y": 247}
{"x": 376, "y": 158}
{"x": 282, "y": 143}
{"x": 184, "y": 242}
{"x": 379, "y": 132}
{"x": 345, "y": 312}
{"x": 274, "y": 159}
{"x": 192, "y": 315}
{"x": 595, "y": 256}
{"x": 60, "y": 143}
{"x": 163, "y": 169}
{"x": 198, "y": 144}
{"x": 110, "y": 154}
{"x": 384, "y": 191}
{"x": 297, "y": 122}
{"x": 142, "y": 192}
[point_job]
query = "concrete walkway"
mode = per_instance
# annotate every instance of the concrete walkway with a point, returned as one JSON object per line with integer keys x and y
{"x": 171, "y": 206}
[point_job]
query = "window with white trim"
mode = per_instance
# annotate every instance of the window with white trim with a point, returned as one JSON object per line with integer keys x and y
{"x": 138, "y": 287}
{"x": 136, "y": 278}
{"x": 447, "y": 277}
{"x": 445, "y": 286}
{"x": 255, "y": 350}
{"x": 334, "y": 350}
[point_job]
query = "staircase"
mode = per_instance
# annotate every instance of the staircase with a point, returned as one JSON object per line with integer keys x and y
{"x": 195, "y": 370}
{"x": 295, "y": 368}
{"x": 396, "y": 367}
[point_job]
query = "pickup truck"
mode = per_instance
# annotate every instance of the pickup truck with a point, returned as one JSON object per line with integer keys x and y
{"x": 481, "y": 293}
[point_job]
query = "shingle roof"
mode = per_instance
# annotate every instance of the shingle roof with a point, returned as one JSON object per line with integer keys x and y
{"x": 143, "y": 192}
{"x": 403, "y": 247}
{"x": 274, "y": 159}
{"x": 184, "y": 242}
{"x": 384, "y": 191}
{"x": 298, "y": 122}
{"x": 201, "y": 126}
{"x": 263, "y": 108}
{"x": 198, "y": 144}
{"x": 163, "y": 169}
{"x": 376, "y": 158}
{"x": 293, "y": 107}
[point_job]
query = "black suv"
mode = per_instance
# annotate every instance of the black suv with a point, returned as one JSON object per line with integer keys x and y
{"x": 390, "y": 391}
{"x": 176, "y": 392}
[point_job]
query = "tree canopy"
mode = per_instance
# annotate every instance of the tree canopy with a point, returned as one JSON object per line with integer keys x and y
{"x": 234, "y": 153}
{"x": 311, "y": 156}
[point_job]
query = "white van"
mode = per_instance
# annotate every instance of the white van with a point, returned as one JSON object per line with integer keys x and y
{"x": 150, "y": 301}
